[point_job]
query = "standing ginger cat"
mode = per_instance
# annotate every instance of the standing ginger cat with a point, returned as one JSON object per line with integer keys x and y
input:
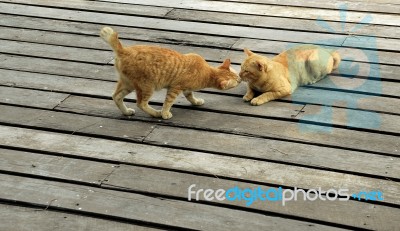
{"x": 278, "y": 77}
{"x": 146, "y": 69}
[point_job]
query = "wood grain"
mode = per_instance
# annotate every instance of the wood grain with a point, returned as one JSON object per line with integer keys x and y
{"x": 48, "y": 220}
{"x": 190, "y": 161}
{"x": 134, "y": 207}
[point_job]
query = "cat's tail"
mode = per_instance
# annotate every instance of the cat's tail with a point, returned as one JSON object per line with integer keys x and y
{"x": 336, "y": 59}
{"x": 111, "y": 37}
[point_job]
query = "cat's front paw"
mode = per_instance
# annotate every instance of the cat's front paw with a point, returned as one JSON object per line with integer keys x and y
{"x": 247, "y": 98}
{"x": 198, "y": 102}
{"x": 129, "y": 112}
{"x": 257, "y": 101}
{"x": 166, "y": 115}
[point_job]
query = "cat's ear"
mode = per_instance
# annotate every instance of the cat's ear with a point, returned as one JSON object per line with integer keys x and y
{"x": 226, "y": 64}
{"x": 248, "y": 52}
{"x": 260, "y": 66}
{"x": 264, "y": 66}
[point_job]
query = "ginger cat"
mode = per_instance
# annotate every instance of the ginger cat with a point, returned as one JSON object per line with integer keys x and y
{"x": 278, "y": 77}
{"x": 146, "y": 69}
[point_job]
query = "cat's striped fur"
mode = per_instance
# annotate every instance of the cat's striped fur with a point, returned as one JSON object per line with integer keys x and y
{"x": 146, "y": 69}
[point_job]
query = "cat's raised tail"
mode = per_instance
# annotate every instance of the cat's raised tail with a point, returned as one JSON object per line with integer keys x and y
{"x": 111, "y": 37}
{"x": 336, "y": 59}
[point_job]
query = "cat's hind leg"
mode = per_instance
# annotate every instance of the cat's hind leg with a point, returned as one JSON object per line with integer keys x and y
{"x": 142, "y": 100}
{"x": 193, "y": 100}
{"x": 169, "y": 101}
{"x": 118, "y": 97}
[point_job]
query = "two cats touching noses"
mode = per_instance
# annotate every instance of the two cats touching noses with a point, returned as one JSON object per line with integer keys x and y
{"x": 146, "y": 69}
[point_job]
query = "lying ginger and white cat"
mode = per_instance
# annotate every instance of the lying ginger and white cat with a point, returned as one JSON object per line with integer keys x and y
{"x": 146, "y": 69}
{"x": 278, "y": 77}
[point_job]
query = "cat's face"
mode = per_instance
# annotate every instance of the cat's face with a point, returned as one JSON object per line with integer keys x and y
{"x": 228, "y": 77}
{"x": 253, "y": 67}
{"x": 249, "y": 70}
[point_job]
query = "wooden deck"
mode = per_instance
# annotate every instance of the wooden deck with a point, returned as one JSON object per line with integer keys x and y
{"x": 70, "y": 161}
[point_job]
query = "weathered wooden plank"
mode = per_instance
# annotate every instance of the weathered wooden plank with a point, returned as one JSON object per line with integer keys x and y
{"x": 276, "y": 150}
{"x": 350, "y": 118}
{"x": 271, "y": 10}
{"x": 380, "y": 30}
{"x": 102, "y": 72}
{"x": 107, "y": 108}
{"x": 264, "y": 46}
{"x": 214, "y": 102}
{"x": 277, "y": 109}
{"x": 57, "y": 67}
{"x": 128, "y": 130}
{"x": 372, "y": 42}
{"x": 367, "y": 6}
{"x": 135, "y": 207}
{"x": 82, "y": 28}
{"x": 159, "y": 8}
{"x": 302, "y": 154}
{"x": 349, "y": 100}
{"x": 171, "y": 184}
{"x": 56, "y": 43}
{"x": 54, "y": 166}
{"x": 28, "y": 219}
{"x": 102, "y": 88}
{"x": 55, "y": 38}
{"x": 57, "y": 83}
{"x": 266, "y": 128}
{"x": 313, "y": 95}
{"x": 105, "y": 88}
{"x": 371, "y": 56}
{"x": 165, "y": 24}
{"x": 284, "y": 23}
{"x": 56, "y": 52}
{"x": 221, "y": 103}
{"x": 212, "y": 164}
{"x": 39, "y": 99}
{"x": 389, "y": 7}
{"x": 377, "y": 1}
{"x": 359, "y": 85}
{"x": 239, "y": 31}
{"x": 91, "y": 42}
{"x": 99, "y": 6}
{"x": 349, "y": 213}
{"x": 230, "y": 128}
{"x": 342, "y": 83}
{"x": 64, "y": 68}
